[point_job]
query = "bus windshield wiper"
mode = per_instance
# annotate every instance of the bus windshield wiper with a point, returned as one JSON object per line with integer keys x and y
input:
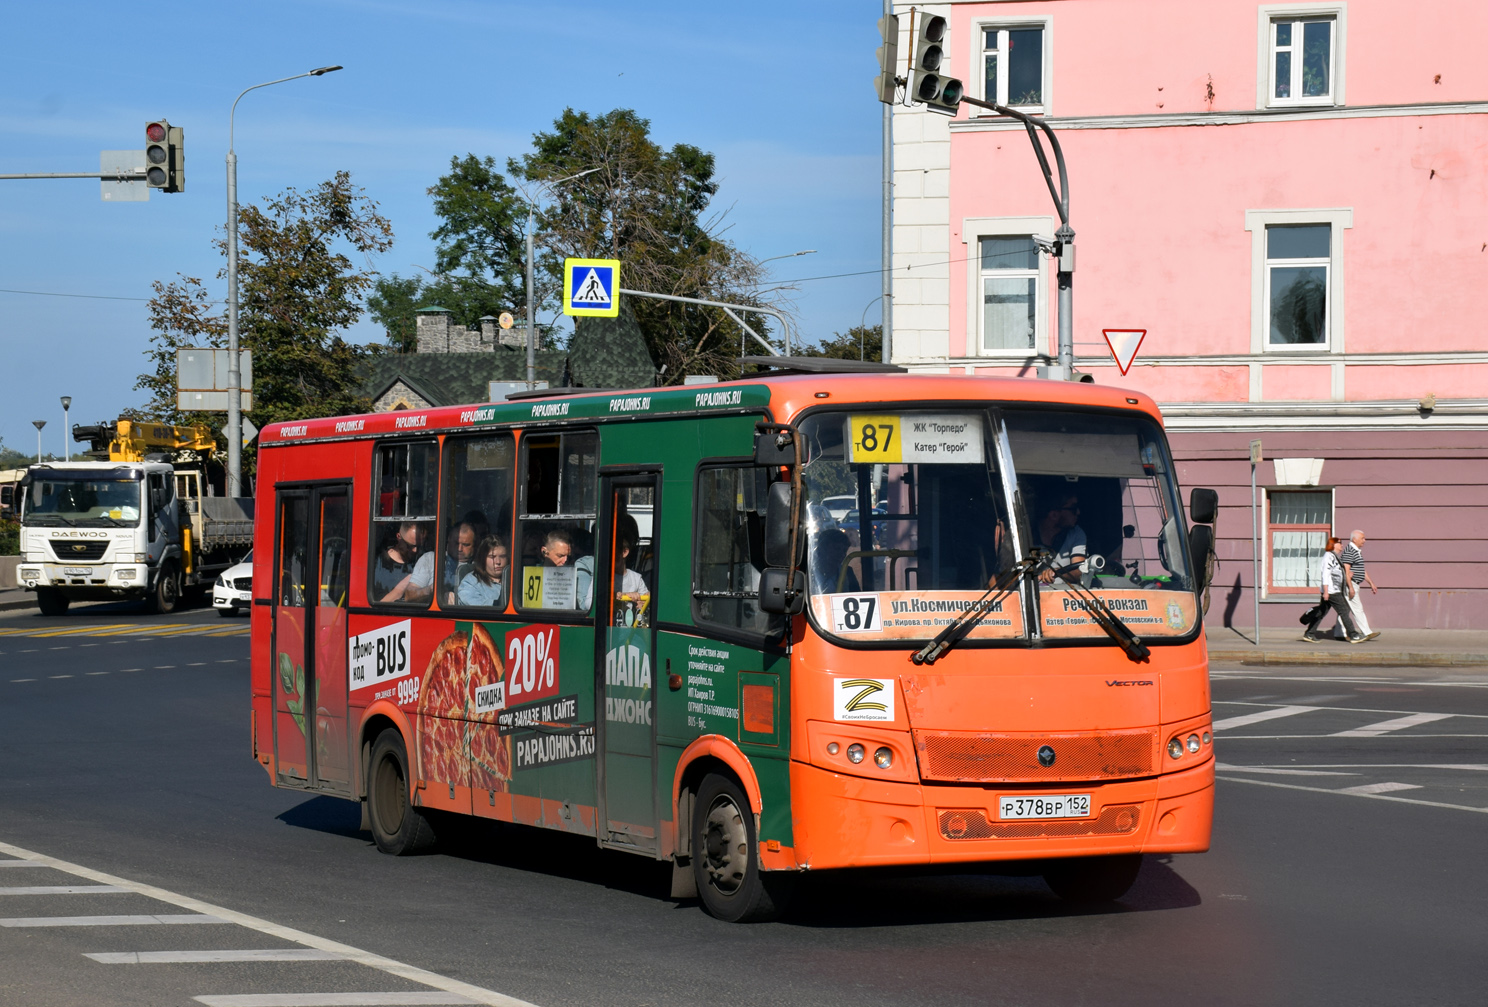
{"x": 1109, "y": 621}
{"x": 964, "y": 623}
{"x": 37, "y": 519}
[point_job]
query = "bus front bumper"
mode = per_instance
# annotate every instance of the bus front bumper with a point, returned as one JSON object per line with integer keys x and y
{"x": 851, "y": 821}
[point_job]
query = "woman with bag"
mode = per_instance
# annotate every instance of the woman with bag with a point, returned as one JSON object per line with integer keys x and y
{"x": 1333, "y": 596}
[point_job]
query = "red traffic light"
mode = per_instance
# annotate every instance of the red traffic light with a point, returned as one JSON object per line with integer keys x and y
{"x": 155, "y": 132}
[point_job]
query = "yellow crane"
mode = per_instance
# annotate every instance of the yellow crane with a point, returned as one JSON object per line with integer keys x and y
{"x": 131, "y": 440}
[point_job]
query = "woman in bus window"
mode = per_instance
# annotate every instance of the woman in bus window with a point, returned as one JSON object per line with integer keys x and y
{"x": 485, "y": 584}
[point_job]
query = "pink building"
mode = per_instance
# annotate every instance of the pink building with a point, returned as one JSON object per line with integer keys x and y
{"x": 1292, "y": 199}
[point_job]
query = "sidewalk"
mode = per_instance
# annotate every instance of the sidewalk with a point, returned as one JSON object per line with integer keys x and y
{"x": 1393, "y": 648}
{"x": 14, "y": 598}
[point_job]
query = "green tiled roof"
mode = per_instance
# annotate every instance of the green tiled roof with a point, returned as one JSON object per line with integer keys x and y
{"x": 448, "y": 379}
{"x": 610, "y": 352}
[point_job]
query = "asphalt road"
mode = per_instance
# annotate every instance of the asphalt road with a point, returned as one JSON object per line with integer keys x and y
{"x": 1347, "y": 867}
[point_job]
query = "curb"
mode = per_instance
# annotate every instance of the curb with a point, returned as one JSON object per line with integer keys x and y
{"x": 1376, "y": 659}
{"x": 18, "y": 603}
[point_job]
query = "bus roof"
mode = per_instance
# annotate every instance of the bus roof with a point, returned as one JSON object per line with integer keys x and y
{"x": 782, "y": 396}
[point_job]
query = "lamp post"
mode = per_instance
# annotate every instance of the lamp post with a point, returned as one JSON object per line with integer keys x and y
{"x": 66, "y": 446}
{"x": 38, "y": 424}
{"x": 787, "y": 255}
{"x": 531, "y": 332}
{"x": 234, "y": 373}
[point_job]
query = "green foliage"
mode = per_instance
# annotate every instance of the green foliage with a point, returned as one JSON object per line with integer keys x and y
{"x": 297, "y": 291}
{"x": 10, "y": 537}
{"x": 10, "y": 458}
{"x": 861, "y": 342}
{"x": 483, "y": 228}
{"x": 395, "y": 300}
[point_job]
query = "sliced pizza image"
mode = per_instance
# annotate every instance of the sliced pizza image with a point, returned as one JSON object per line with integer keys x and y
{"x": 443, "y": 751}
{"x": 490, "y": 750}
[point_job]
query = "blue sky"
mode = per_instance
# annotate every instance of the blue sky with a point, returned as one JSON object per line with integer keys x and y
{"x": 780, "y": 95}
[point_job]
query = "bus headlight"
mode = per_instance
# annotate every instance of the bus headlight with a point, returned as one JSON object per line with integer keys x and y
{"x": 1175, "y": 748}
{"x": 883, "y": 758}
{"x": 855, "y": 753}
{"x": 1193, "y": 743}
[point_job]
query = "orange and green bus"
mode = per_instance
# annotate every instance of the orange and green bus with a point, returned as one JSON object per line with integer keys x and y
{"x": 801, "y": 621}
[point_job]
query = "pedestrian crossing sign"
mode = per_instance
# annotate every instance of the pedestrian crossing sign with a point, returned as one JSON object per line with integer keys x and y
{"x": 591, "y": 287}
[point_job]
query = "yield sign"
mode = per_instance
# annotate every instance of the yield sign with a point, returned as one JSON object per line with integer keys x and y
{"x": 1123, "y": 344}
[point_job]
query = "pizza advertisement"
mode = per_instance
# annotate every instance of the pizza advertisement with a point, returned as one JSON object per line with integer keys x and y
{"x": 915, "y": 615}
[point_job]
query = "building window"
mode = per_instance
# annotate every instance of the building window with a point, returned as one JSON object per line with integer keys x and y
{"x": 1013, "y": 64}
{"x": 1302, "y": 61}
{"x": 1009, "y": 294}
{"x": 1297, "y": 260}
{"x": 1298, "y": 524}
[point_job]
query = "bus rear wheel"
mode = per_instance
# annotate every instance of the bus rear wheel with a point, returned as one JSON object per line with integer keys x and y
{"x": 397, "y": 826}
{"x": 1093, "y": 879}
{"x": 725, "y": 857}
{"x": 51, "y": 601}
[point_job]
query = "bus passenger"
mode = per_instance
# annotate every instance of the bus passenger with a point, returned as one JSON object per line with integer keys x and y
{"x": 459, "y": 551}
{"x": 1059, "y": 531}
{"x": 829, "y": 563}
{"x": 557, "y": 547}
{"x": 557, "y": 550}
{"x": 632, "y": 594}
{"x": 485, "y": 584}
{"x": 408, "y": 560}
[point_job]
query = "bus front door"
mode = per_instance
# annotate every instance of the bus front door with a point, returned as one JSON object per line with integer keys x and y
{"x": 309, "y": 679}
{"x": 625, "y": 665}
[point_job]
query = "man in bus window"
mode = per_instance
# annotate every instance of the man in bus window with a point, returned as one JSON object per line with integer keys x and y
{"x": 408, "y": 561}
{"x": 1059, "y": 532}
{"x": 459, "y": 549}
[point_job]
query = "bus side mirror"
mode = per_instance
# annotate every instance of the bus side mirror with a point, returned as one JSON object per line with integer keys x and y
{"x": 1201, "y": 554}
{"x": 774, "y": 448}
{"x": 780, "y": 593}
{"x": 778, "y": 526}
{"x": 1203, "y": 505}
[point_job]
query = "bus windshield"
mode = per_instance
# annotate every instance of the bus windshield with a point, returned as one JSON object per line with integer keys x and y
{"x": 83, "y": 498}
{"x": 907, "y": 518}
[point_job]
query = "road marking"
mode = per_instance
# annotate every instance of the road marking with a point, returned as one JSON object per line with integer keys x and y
{"x": 163, "y": 667}
{"x": 1469, "y": 766}
{"x": 1369, "y": 789}
{"x": 331, "y": 999}
{"x": 98, "y": 673}
{"x": 1279, "y": 772}
{"x": 19, "y": 863}
{"x": 197, "y": 664}
{"x": 1261, "y": 715}
{"x": 23, "y": 679}
{"x": 1353, "y": 680}
{"x": 108, "y": 921}
{"x": 59, "y": 676}
{"x": 1346, "y": 793}
{"x": 125, "y": 670}
{"x": 193, "y": 957}
{"x": 217, "y": 914}
{"x": 1353, "y": 709}
{"x": 1398, "y": 724}
{"x": 61, "y": 890}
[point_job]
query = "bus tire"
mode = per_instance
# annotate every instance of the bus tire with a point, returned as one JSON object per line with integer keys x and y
{"x": 397, "y": 826}
{"x": 1093, "y": 879}
{"x": 51, "y": 601}
{"x": 725, "y": 857}
{"x": 166, "y": 594}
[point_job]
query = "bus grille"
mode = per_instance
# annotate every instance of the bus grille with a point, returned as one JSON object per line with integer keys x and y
{"x": 72, "y": 551}
{"x": 961, "y": 757}
{"x": 971, "y": 823}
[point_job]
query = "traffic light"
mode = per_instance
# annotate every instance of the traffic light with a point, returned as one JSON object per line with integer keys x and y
{"x": 165, "y": 156}
{"x": 937, "y": 93}
{"x": 888, "y": 57}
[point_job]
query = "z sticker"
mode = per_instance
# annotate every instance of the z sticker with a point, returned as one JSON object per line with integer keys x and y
{"x": 863, "y": 699}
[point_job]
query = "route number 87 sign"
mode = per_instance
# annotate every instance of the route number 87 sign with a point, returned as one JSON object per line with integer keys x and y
{"x": 915, "y": 438}
{"x": 855, "y": 613}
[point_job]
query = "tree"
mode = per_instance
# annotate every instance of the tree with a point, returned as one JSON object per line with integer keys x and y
{"x": 861, "y": 342}
{"x": 644, "y": 205}
{"x": 297, "y": 291}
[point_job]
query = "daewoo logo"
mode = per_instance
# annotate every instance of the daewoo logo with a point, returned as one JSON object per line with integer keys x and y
{"x": 1113, "y": 682}
{"x": 411, "y": 422}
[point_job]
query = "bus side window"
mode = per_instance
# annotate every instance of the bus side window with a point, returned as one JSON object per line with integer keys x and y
{"x": 477, "y": 522}
{"x": 728, "y": 554}
{"x": 401, "y": 566}
{"x": 553, "y": 564}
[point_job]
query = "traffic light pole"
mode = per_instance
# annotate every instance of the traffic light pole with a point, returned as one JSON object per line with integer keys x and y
{"x": 106, "y": 176}
{"x": 1064, "y": 238}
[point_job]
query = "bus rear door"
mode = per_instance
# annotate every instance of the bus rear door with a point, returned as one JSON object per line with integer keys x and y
{"x": 625, "y": 665}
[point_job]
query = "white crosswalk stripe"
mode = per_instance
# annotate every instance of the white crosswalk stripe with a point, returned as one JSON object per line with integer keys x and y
{"x": 1397, "y": 724}
{"x": 195, "y": 957}
{"x": 61, "y": 889}
{"x": 1379, "y": 788}
{"x": 1260, "y": 716}
{"x": 109, "y": 921}
{"x": 331, "y": 999}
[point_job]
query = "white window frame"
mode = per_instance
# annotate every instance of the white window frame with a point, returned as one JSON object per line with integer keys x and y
{"x": 978, "y": 51}
{"x": 973, "y": 230}
{"x": 1267, "y": 563}
{"x": 1256, "y": 222}
{"x": 1268, "y": 15}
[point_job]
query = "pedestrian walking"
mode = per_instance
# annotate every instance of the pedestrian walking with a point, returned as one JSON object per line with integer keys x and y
{"x": 1357, "y": 576}
{"x": 1335, "y": 595}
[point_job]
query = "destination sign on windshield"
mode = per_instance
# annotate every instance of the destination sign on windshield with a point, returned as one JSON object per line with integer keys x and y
{"x": 916, "y": 438}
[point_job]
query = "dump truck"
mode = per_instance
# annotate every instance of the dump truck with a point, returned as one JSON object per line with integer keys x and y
{"x": 136, "y": 517}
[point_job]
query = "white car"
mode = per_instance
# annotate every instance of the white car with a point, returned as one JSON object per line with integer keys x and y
{"x": 234, "y": 588}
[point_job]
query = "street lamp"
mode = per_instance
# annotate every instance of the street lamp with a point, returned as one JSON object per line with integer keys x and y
{"x": 234, "y": 374}
{"x": 38, "y": 424}
{"x": 758, "y": 292}
{"x": 789, "y": 255}
{"x": 66, "y": 447}
{"x": 531, "y": 332}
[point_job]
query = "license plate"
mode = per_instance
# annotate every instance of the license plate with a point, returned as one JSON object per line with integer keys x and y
{"x": 1044, "y": 806}
{"x": 76, "y": 571}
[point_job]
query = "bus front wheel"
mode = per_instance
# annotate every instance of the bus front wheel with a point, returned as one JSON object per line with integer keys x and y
{"x": 1093, "y": 879}
{"x": 725, "y": 857}
{"x": 397, "y": 826}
